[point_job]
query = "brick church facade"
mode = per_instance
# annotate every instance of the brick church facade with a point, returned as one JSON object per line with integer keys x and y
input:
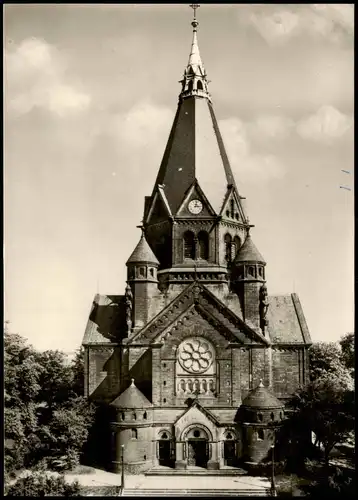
{"x": 196, "y": 361}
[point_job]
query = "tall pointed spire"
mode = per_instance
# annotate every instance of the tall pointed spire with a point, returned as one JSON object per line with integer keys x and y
{"x": 194, "y": 82}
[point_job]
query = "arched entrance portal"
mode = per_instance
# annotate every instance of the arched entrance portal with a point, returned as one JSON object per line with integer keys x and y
{"x": 197, "y": 447}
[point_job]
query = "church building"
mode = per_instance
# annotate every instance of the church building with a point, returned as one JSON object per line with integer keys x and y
{"x": 196, "y": 361}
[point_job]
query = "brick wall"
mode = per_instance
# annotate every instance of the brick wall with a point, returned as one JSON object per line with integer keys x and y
{"x": 258, "y": 367}
{"x": 256, "y": 449}
{"x": 285, "y": 371}
{"x": 104, "y": 373}
{"x": 245, "y": 371}
{"x": 138, "y": 451}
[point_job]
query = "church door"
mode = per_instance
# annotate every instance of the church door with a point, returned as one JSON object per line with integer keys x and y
{"x": 164, "y": 452}
{"x": 229, "y": 452}
{"x": 198, "y": 452}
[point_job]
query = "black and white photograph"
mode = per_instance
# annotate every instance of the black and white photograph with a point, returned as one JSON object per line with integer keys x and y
{"x": 179, "y": 250}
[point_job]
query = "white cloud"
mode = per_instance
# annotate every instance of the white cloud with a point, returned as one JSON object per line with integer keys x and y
{"x": 327, "y": 21}
{"x": 325, "y": 125}
{"x": 276, "y": 27}
{"x": 271, "y": 126}
{"x": 35, "y": 77}
{"x": 339, "y": 14}
{"x": 144, "y": 125}
{"x": 245, "y": 163}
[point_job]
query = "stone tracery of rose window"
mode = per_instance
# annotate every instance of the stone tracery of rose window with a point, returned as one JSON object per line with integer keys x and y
{"x": 196, "y": 370}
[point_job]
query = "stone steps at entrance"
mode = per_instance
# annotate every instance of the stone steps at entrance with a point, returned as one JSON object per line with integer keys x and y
{"x": 200, "y": 493}
{"x": 195, "y": 471}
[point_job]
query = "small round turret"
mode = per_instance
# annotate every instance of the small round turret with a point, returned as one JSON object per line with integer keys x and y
{"x": 260, "y": 414}
{"x": 142, "y": 264}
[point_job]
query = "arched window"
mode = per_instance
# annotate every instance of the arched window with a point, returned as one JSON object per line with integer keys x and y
{"x": 199, "y": 85}
{"x": 260, "y": 271}
{"x": 190, "y": 86}
{"x": 251, "y": 270}
{"x": 235, "y": 247}
{"x": 260, "y": 434}
{"x": 145, "y": 415}
{"x": 272, "y": 416}
{"x": 122, "y": 415}
{"x": 189, "y": 245}
{"x": 134, "y": 416}
{"x": 203, "y": 240}
{"x": 228, "y": 241}
{"x": 151, "y": 272}
{"x": 134, "y": 434}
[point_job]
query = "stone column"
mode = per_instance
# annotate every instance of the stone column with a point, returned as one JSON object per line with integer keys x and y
{"x": 180, "y": 456}
{"x": 213, "y": 463}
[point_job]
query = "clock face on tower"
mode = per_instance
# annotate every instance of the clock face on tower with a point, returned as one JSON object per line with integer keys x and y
{"x": 195, "y": 207}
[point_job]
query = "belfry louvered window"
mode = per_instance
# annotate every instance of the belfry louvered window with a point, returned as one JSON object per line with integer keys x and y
{"x": 189, "y": 245}
{"x": 203, "y": 240}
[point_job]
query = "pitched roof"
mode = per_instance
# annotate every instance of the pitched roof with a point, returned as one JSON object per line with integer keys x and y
{"x": 132, "y": 397}
{"x": 143, "y": 253}
{"x": 261, "y": 397}
{"x": 286, "y": 322}
{"x": 106, "y": 322}
{"x": 248, "y": 252}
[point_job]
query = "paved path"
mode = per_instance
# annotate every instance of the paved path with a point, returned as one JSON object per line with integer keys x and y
{"x": 142, "y": 482}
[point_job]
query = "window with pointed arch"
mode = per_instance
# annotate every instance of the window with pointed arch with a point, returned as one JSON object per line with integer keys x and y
{"x": 190, "y": 85}
{"x": 189, "y": 245}
{"x": 228, "y": 242}
{"x": 199, "y": 85}
{"x": 134, "y": 434}
{"x": 203, "y": 241}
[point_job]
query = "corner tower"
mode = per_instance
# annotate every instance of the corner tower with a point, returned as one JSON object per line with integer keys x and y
{"x": 194, "y": 219}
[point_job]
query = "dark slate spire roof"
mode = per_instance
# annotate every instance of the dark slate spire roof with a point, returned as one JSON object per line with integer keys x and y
{"x": 261, "y": 398}
{"x": 249, "y": 253}
{"x": 131, "y": 398}
{"x": 195, "y": 149}
{"x": 143, "y": 253}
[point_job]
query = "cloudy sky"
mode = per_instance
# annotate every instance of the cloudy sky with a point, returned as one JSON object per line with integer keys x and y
{"x": 90, "y": 95}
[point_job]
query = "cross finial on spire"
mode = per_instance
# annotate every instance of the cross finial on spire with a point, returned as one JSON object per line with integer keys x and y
{"x": 194, "y": 6}
{"x": 194, "y": 23}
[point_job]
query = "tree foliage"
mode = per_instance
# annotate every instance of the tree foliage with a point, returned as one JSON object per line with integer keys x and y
{"x": 326, "y": 359}
{"x": 326, "y": 407}
{"x": 46, "y": 415}
{"x": 39, "y": 484}
{"x": 347, "y": 346}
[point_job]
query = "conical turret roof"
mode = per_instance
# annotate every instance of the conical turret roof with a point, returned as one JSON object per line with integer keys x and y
{"x": 143, "y": 253}
{"x": 131, "y": 398}
{"x": 249, "y": 253}
{"x": 261, "y": 398}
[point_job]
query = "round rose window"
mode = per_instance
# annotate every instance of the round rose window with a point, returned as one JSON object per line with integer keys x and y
{"x": 195, "y": 355}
